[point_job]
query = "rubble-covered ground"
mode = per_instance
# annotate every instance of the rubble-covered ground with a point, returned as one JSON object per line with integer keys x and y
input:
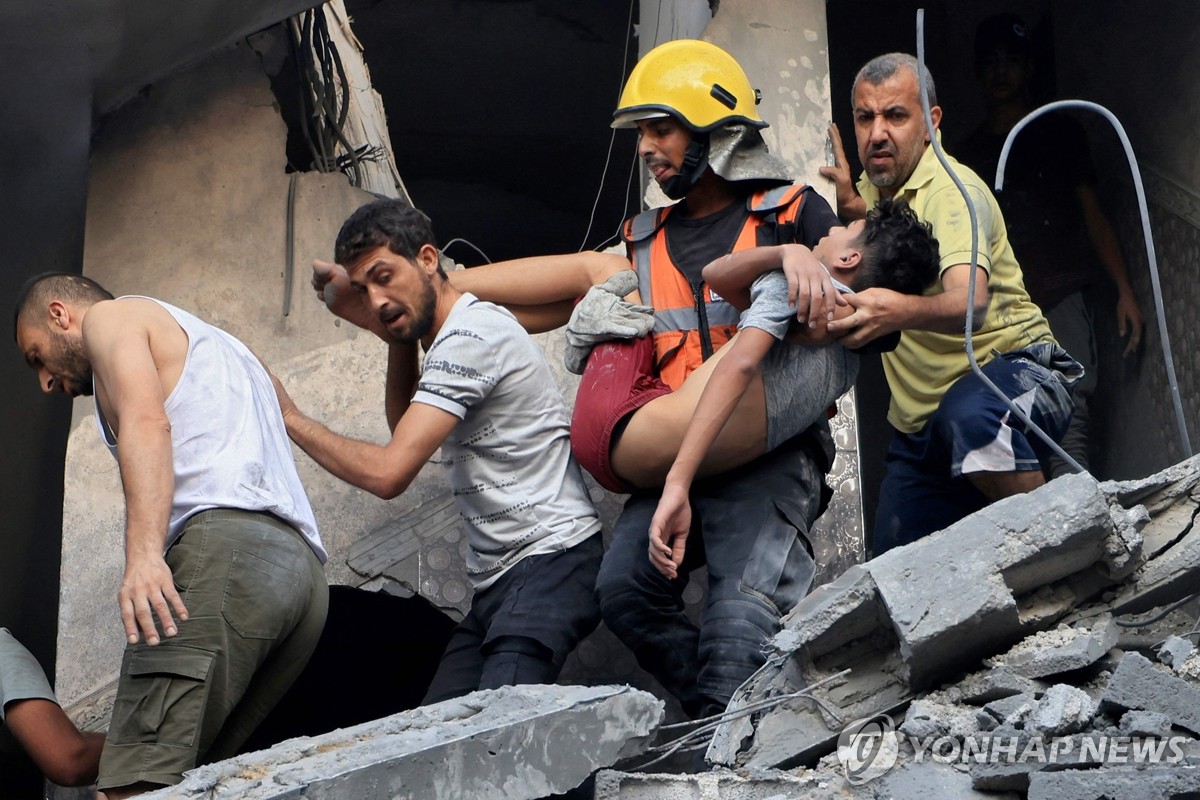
{"x": 1045, "y": 647}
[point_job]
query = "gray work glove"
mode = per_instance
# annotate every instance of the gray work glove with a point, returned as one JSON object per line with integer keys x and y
{"x": 21, "y": 677}
{"x": 602, "y": 315}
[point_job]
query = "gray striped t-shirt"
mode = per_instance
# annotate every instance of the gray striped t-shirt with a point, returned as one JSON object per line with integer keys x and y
{"x": 518, "y": 488}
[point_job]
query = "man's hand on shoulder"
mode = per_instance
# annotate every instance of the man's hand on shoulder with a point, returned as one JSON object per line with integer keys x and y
{"x": 877, "y": 312}
{"x": 148, "y": 590}
{"x": 287, "y": 406}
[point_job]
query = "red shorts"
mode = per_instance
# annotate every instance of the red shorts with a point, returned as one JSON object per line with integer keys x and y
{"x": 618, "y": 380}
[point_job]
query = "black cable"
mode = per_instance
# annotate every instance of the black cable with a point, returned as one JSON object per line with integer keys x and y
{"x": 1137, "y": 623}
{"x": 325, "y": 97}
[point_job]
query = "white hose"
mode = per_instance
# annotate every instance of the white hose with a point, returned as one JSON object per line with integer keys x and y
{"x": 1145, "y": 214}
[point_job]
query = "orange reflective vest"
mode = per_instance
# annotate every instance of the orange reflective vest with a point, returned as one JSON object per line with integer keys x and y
{"x": 689, "y": 323}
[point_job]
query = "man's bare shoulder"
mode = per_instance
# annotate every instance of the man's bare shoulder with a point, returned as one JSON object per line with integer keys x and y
{"x": 134, "y": 321}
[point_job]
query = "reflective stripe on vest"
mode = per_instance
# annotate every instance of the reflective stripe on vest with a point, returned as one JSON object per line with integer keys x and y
{"x": 677, "y": 336}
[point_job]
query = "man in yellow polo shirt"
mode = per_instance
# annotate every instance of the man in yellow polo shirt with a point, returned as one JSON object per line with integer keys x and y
{"x": 957, "y": 446}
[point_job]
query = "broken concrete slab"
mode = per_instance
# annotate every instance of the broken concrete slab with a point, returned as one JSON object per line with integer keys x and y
{"x": 1189, "y": 668}
{"x": 1005, "y": 775}
{"x": 514, "y": 742}
{"x": 1012, "y": 710}
{"x": 1172, "y": 557}
{"x": 1137, "y": 684}
{"x": 1152, "y": 783}
{"x": 1062, "y": 649}
{"x": 1168, "y": 577}
{"x": 927, "y": 779}
{"x": 941, "y": 595}
{"x": 924, "y": 611}
{"x": 927, "y": 718}
{"x": 840, "y": 626}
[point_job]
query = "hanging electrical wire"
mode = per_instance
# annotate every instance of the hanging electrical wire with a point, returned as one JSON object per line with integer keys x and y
{"x": 325, "y": 98}
{"x": 611, "y": 140}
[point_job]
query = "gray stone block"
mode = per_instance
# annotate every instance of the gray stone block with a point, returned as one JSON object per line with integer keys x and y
{"x": 952, "y": 604}
{"x": 1174, "y": 650}
{"x": 1008, "y": 710}
{"x": 1061, "y": 650}
{"x": 1137, "y": 684}
{"x": 511, "y": 743}
{"x": 1062, "y": 710}
{"x": 1153, "y": 783}
{"x": 928, "y": 780}
{"x": 981, "y": 688}
{"x": 1005, "y": 775}
{"x": 1144, "y": 723}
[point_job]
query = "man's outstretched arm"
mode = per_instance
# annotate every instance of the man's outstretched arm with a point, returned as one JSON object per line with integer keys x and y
{"x": 30, "y": 711}
{"x": 383, "y": 470}
{"x": 540, "y": 290}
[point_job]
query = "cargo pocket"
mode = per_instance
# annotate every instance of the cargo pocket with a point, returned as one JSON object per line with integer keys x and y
{"x": 780, "y": 569}
{"x": 161, "y": 696}
{"x": 260, "y": 597}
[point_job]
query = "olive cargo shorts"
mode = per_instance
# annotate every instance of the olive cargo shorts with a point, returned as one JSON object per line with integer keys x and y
{"x": 256, "y": 599}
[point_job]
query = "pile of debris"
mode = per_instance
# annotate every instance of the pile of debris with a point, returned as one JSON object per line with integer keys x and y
{"x": 1031, "y": 599}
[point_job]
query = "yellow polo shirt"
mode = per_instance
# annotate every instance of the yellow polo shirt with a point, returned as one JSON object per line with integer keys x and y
{"x": 925, "y": 364}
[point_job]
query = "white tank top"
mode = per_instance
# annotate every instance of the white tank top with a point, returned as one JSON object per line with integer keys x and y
{"x": 230, "y": 448}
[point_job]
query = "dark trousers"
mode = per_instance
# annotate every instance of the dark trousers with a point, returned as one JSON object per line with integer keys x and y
{"x": 925, "y": 488}
{"x": 521, "y": 629}
{"x": 749, "y": 526}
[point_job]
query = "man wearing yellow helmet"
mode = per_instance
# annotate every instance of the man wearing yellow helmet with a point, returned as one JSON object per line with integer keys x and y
{"x": 699, "y": 137}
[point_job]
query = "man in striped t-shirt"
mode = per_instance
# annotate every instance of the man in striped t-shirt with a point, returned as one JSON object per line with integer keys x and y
{"x": 487, "y": 398}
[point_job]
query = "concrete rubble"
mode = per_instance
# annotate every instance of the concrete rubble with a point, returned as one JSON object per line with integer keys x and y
{"x": 511, "y": 743}
{"x": 1011, "y": 626}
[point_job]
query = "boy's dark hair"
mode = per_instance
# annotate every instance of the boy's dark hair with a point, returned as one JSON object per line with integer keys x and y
{"x": 389, "y": 223}
{"x": 67, "y": 286}
{"x": 899, "y": 251}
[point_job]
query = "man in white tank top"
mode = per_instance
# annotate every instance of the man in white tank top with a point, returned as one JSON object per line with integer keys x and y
{"x": 487, "y": 398}
{"x": 214, "y": 506}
